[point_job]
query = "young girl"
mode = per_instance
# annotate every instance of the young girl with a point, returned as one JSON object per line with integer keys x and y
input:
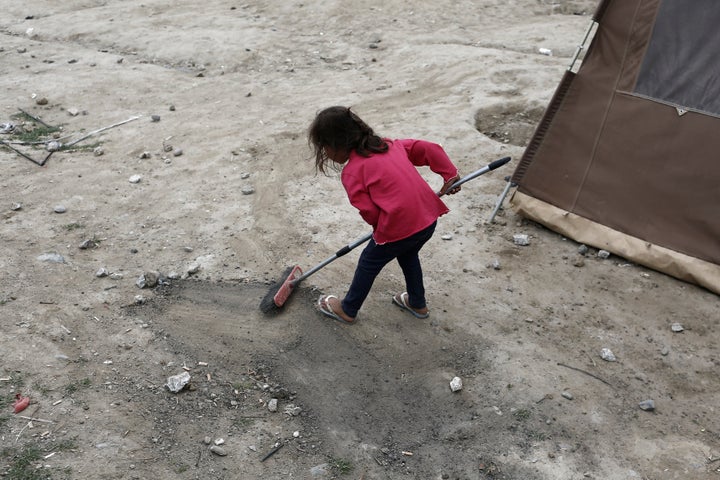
{"x": 381, "y": 181}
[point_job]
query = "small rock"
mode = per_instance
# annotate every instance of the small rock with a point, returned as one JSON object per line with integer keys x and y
{"x": 155, "y": 118}
{"x": 521, "y": 239}
{"x": 102, "y": 272}
{"x": 219, "y": 441}
{"x": 447, "y": 236}
{"x": 207, "y": 440}
{"x": 603, "y": 254}
{"x": 273, "y": 405}
{"x": 583, "y": 249}
{"x": 51, "y": 257}
{"x": 89, "y": 243}
{"x": 41, "y": 101}
{"x": 579, "y": 262}
{"x": 116, "y": 276}
{"x": 135, "y": 179}
{"x": 567, "y": 395}
{"x": 74, "y": 112}
{"x": 296, "y": 434}
{"x": 140, "y": 300}
{"x": 320, "y": 470}
{"x": 172, "y": 108}
{"x": 148, "y": 280}
{"x": 177, "y": 152}
{"x": 177, "y": 382}
{"x": 244, "y": 175}
{"x": 53, "y": 146}
{"x": 218, "y": 450}
{"x": 193, "y": 269}
{"x": 292, "y": 410}
{"x": 456, "y": 384}
{"x": 647, "y": 405}
{"x": 247, "y": 190}
{"x": 607, "y": 355}
{"x": 665, "y": 351}
{"x": 495, "y": 264}
{"x": 59, "y": 209}
{"x": 677, "y": 328}
{"x": 16, "y": 206}
{"x": 98, "y": 151}
{"x": 145, "y": 155}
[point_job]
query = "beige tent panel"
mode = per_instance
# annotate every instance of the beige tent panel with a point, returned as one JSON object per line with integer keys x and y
{"x": 586, "y": 231}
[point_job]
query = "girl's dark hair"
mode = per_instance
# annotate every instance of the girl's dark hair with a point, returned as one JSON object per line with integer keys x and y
{"x": 341, "y": 129}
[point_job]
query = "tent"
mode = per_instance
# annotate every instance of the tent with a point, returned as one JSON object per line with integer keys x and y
{"x": 627, "y": 154}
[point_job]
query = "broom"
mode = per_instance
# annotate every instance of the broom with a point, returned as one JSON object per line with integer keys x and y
{"x": 281, "y": 290}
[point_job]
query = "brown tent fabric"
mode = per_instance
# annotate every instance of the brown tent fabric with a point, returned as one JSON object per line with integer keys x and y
{"x": 631, "y": 142}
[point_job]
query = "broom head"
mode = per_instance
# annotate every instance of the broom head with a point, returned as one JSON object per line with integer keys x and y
{"x": 287, "y": 287}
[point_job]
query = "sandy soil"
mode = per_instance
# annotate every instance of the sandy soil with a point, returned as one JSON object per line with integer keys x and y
{"x": 227, "y": 198}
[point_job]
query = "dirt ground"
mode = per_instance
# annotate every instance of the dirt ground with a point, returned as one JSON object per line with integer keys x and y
{"x": 187, "y": 156}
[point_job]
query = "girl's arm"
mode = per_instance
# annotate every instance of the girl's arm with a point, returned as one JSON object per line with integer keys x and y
{"x": 427, "y": 154}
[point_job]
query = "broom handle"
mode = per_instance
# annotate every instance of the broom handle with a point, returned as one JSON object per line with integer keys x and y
{"x": 350, "y": 246}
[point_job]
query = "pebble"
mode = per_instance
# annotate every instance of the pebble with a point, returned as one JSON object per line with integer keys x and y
{"x": 155, "y": 118}
{"x": 677, "y": 328}
{"x": 53, "y": 146}
{"x": 495, "y": 264}
{"x": 244, "y": 175}
{"x": 247, "y": 190}
{"x": 207, "y": 440}
{"x": 59, "y": 209}
{"x": 567, "y": 395}
{"x": 603, "y": 254}
{"x": 218, "y": 450}
{"x": 273, "y": 405}
{"x": 74, "y": 112}
{"x": 579, "y": 262}
{"x": 145, "y": 155}
{"x": 148, "y": 280}
{"x": 98, "y": 151}
{"x": 447, "y": 236}
{"x": 583, "y": 249}
{"x": 140, "y": 300}
{"x": 16, "y": 206}
{"x": 607, "y": 355}
{"x": 177, "y": 152}
{"x": 521, "y": 239}
{"x": 135, "y": 179}
{"x": 647, "y": 405}
{"x": 456, "y": 384}
{"x": 51, "y": 257}
{"x": 41, "y": 101}
{"x": 116, "y": 276}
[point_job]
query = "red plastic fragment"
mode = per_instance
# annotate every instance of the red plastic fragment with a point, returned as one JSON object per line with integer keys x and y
{"x": 20, "y": 403}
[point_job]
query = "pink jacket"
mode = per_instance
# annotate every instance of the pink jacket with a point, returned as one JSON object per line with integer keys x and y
{"x": 390, "y": 193}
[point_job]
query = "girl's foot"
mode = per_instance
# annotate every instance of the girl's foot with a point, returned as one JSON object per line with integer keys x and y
{"x": 331, "y": 306}
{"x": 401, "y": 300}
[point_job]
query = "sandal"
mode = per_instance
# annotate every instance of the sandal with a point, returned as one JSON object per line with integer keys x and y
{"x": 326, "y": 309}
{"x": 401, "y": 300}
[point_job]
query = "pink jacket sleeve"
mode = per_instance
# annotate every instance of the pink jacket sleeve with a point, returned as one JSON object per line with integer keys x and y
{"x": 422, "y": 153}
{"x": 360, "y": 199}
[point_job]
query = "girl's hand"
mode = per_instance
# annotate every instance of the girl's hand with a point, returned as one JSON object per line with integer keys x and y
{"x": 446, "y": 190}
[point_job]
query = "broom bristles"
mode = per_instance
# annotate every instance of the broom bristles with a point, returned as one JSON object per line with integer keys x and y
{"x": 278, "y": 294}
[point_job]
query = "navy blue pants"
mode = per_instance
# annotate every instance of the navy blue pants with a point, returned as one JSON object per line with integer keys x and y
{"x": 374, "y": 258}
